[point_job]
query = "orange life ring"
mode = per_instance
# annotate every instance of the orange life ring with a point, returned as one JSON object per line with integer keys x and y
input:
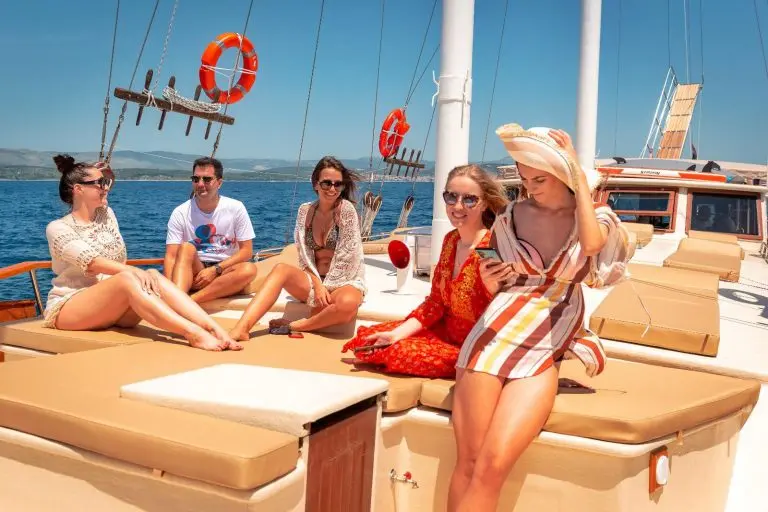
{"x": 211, "y": 56}
{"x": 391, "y": 136}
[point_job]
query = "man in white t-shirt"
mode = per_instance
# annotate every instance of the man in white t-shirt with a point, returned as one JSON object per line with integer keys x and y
{"x": 209, "y": 245}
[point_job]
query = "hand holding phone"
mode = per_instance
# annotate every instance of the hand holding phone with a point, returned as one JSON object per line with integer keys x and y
{"x": 488, "y": 253}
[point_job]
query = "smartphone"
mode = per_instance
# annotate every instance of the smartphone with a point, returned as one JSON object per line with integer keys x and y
{"x": 488, "y": 252}
{"x": 369, "y": 348}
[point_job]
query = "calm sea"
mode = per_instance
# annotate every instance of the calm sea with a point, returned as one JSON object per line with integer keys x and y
{"x": 143, "y": 208}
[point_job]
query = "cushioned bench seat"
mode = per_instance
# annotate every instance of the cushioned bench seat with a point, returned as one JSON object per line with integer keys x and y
{"x": 74, "y": 399}
{"x": 631, "y": 403}
{"x": 699, "y": 283}
{"x": 32, "y": 335}
{"x": 659, "y": 316}
{"x": 717, "y": 258}
{"x": 726, "y": 238}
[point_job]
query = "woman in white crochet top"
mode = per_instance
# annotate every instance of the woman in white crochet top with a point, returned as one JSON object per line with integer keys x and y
{"x": 330, "y": 275}
{"x": 93, "y": 288}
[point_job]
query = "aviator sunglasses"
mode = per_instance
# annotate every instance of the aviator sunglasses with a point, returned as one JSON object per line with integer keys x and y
{"x": 206, "y": 179}
{"x": 468, "y": 200}
{"x": 327, "y": 184}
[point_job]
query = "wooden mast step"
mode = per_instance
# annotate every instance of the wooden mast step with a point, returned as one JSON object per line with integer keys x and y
{"x": 166, "y": 106}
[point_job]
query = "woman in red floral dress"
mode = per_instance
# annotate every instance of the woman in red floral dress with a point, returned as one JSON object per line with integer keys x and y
{"x": 428, "y": 341}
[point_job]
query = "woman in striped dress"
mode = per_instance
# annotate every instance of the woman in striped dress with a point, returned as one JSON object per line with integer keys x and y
{"x": 555, "y": 240}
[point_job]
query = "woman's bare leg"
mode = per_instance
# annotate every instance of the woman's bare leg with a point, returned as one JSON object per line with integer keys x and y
{"x": 475, "y": 396}
{"x": 522, "y": 411}
{"x": 283, "y": 276}
{"x": 185, "y": 306}
{"x": 345, "y": 302}
{"x": 123, "y": 293}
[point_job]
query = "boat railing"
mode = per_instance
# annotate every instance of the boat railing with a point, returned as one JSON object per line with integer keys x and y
{"x": 31, "y": 267}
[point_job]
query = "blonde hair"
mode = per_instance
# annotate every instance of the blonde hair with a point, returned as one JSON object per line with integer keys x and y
{"x": 493, "y": 193}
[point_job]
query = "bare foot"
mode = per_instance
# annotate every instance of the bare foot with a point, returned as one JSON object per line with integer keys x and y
{"x": 206, "y": 341}
{"x": 239, "y": 335}
{"x": 220, "y": 333}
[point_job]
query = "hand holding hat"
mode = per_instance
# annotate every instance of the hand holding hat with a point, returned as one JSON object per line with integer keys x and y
{"x": 547, "y": 150}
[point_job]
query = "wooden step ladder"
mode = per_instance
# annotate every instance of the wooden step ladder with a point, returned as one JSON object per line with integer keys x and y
{"x": 678, "y": 121}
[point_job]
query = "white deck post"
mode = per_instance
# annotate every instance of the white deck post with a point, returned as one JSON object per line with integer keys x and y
{"x": 589, "y": 72}
{"x": 453, "y": 102}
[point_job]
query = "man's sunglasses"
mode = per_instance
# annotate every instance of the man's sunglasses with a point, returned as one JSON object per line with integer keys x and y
{"x": 468, "y": 200}
{"x": 327, "y": 184}
{"x": 206, "y": 179}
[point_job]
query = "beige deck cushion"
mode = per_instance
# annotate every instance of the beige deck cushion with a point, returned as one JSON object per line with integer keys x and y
{"x": 717, "y": 237}
{"x": 74, "y": 399}
{"x": 707, "y": 256}
{"x": 700, "y": 283}
{"x": 644, "y": 232}
{"x": 679, "y": 320}
{"x": 32, "y": 335}
{"x": 633, "y": 403}
{"x": 289, "y": 255}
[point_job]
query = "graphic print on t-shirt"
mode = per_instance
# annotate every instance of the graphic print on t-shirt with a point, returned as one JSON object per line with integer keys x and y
{"x": 207, "y": 241}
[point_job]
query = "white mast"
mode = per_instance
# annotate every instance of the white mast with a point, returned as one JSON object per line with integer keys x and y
{"x": 453, "y": 101}
{"x": 589, "y": 72}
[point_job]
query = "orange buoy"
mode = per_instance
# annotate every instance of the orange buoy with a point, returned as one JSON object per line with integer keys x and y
{"x": 392, "y": 132}
{"x": 211, "y": 56}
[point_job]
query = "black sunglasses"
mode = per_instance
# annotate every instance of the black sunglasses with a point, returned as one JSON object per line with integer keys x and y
{"x": 468, "y": 200}
{"x": 103, "y": 183}
{"x": 206, "y": 179}
{"x": 327, "y": 184}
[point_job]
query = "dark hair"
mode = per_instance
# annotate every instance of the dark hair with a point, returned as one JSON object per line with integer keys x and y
{"x": 348, "y": 177}
{"x": 205, "y": 161}
{"x": 71, "y": 173}
{"x": 493, "y": 192}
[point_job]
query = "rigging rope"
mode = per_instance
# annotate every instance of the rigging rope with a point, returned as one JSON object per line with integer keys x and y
{"x": 109, "y": 85}
{"x": 130, "y": 86}
{"x": 669, "y": 32}
{"x": 687, "y": 41}
{"x": 151, "y": 90}
{"x": 232, "y": 78}
{"x": 495, "y": 76}
{"x": 618, "y": 74}
{"x": 376, "y": 95}
{"x": 412, "y": 87}
{"x": 701, "y": 94}
{"x": 760, "y": 34}
{"x": 306, "y": 114}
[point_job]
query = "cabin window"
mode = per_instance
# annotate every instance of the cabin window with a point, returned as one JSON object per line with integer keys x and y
{"x": 736, "y": 214}
{"x": 654, "y": 207}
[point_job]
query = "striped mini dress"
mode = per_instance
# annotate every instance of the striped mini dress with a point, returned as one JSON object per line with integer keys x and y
{"x": 539, "y": 318}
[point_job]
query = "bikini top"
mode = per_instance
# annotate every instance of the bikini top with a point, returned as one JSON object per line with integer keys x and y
{"x": 331, "y": 240}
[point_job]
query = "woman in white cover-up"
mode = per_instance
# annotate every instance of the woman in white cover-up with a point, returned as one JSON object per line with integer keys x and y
{"x": 330, "y": 274}
{"x": 93, "y": 288}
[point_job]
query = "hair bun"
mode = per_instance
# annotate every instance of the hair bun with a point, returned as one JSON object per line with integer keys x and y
{"x": 64, "y": 163}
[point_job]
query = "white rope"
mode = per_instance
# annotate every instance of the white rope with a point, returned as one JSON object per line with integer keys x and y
{"x": 173, "y": 96}
{"x": 216, "y": 69}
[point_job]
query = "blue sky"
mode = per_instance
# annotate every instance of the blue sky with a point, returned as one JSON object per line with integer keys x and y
{"x": 56, "y": 57}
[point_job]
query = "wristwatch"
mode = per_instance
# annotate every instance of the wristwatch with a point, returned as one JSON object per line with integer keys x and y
{"x": 218, "y": 268}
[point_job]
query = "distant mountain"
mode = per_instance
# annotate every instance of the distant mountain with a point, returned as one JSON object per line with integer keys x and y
{"x": 28, "y": 164}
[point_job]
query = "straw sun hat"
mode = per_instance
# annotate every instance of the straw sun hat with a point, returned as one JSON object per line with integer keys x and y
{"x": 535, "y": 148}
